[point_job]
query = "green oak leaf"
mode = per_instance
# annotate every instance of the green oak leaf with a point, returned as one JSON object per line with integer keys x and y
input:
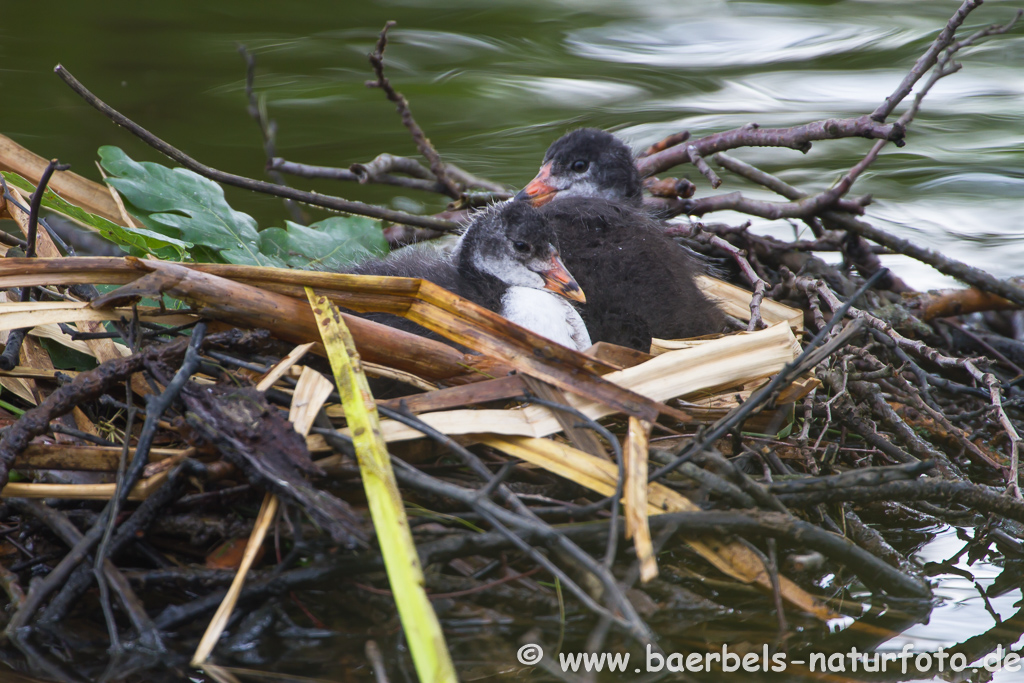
{"x": 330, "y": 245}
{"x": 188, "y": 203}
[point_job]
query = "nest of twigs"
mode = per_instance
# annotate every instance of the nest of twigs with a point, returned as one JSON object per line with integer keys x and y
{"x": 709, "y": 477}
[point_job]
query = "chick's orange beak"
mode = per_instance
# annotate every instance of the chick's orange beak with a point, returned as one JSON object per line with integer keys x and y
{"x": 558, "y": 279}
{"x": 539, "y": 192}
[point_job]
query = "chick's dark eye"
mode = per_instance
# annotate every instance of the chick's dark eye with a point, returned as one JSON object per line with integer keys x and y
{"x": 521, "y": 247}
{"x": 580, "y": 165}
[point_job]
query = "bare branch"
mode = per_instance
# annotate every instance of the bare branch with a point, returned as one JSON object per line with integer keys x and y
{"x": 925, "y": 61}
{"x": 945, "y": 66}
{"x": 312, "y": 198}
{"x": 961, "y": 271}
{"x": 402, "y": 105}
{"x": 752, "y": 135}
{"x": 735, "y": 201}
{"x": 702, "y": 166}
{"x": 754, "y": 174}
{"x": 268, "y": 128}
{"x": 376, "y": 171}
{"x": 670, "y": 141}
{"x": 997, "y": 403}
{"x": 347, "y": 174}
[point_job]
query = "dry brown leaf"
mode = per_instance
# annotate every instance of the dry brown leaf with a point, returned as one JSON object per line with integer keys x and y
{"x": 77, "y": 190}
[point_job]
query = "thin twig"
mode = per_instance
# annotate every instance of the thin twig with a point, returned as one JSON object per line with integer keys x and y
{"x": 311, "y": 198}
{"x": 1013, "y": 488}
{"x": 925, "y": 61}
{"x": 9, "y": 358}
{"x": 792, "y": 370}
{"x": 752, "y": 135}
{"x": 268, "y": 129}
{"x": 36, "y": 202}
{"x": 402, "y": 105}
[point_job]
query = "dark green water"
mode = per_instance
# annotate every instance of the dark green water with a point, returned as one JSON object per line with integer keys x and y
{"x": 493, "y": 84}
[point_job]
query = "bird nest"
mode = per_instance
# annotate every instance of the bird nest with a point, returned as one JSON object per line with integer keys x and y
{"x": 177, "y": 416}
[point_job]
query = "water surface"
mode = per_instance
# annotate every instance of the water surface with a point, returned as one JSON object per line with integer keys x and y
{"x": 493, "y": 84}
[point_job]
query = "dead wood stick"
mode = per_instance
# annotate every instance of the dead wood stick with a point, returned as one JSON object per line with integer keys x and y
{"x": 871, "y": 540}
{"x": 925, "y": 61}
{"x": 752, "y": 135}
{"x": 697, "y": 159}
{"x": 932, "y": 489}
{"x": 959, "y": 302}
{"x": 861, "y": 253}
{"x": 133, "y": 607}
{"x": 9, "y": 358}
{"x": 736, "y": 201}
{"x": 422, "y": 142}
{"x": 961, "y": 271}
{"x": 870, "y": 394}
{"x": 87, "y": 386}
{"x": 380, "y": 171}
{"x": 72, "y": 587}
{"x": 11, "y": 586}
{"x": 734, "y": 475}
{"x": 1011, "y": 432}
{"x": 758, "y": 524}
{"x": 866, "y": 476}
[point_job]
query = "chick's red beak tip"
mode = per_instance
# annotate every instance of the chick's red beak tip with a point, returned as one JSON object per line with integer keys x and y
{"x": 558, "y": 279}
{"x": 539, "y": 191}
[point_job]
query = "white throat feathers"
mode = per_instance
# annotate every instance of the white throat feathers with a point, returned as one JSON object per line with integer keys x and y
{"x": 547, "y": 314}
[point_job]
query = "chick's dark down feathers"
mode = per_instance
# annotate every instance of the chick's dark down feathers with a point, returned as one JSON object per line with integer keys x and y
{"x": 639, "y": 282}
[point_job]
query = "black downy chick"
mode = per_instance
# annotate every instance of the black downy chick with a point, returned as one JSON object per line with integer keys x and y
{"x": 586, "y": 163}
{"x": 640, "y": 283}
{"x": 506, "y": 261}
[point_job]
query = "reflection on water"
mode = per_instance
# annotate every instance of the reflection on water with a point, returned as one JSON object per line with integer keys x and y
{"x": 565, "y": 92}
{"x": 969, "y": 602}
{"x": 740, "y": 41}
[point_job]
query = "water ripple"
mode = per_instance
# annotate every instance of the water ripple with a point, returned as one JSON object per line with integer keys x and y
{"x": 564, "y": 92}
{"x": 736, "y": 41}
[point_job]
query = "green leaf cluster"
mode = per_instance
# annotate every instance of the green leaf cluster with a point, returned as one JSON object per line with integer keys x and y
{"x": 186, "y": 218}
{"x": 182, "y": 204}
